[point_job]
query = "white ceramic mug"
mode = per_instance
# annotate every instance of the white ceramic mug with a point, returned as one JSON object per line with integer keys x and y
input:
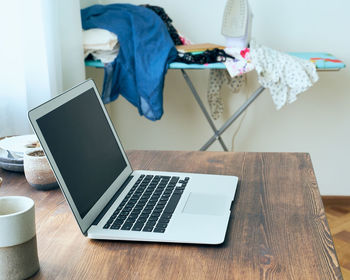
{"x": 18, "y": 248}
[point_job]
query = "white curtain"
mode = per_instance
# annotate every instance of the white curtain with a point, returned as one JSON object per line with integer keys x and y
{"x": 41, "y": 54}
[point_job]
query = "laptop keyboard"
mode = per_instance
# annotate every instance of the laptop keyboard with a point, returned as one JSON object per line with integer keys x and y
{"x": 149, "y": 205}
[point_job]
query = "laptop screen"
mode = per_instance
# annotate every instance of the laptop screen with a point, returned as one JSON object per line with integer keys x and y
{"x": 84, "y": 148}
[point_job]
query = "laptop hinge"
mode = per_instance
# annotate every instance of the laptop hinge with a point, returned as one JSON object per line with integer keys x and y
{"x": 113, "y": 199}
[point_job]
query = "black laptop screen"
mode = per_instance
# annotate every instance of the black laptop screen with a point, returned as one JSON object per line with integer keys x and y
{"x": 84, "y": 148}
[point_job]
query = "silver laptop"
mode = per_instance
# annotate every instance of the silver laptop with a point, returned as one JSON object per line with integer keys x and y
{"x": 108, "y": 198}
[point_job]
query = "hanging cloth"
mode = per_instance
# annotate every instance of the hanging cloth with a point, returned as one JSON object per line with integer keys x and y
{"x": 146, "y": 49}
{"x": 284, "y": 75}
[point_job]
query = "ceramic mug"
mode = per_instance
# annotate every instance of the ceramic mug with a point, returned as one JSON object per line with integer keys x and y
{"x": 38, "y": 171}
{"x": 18, "y": 247}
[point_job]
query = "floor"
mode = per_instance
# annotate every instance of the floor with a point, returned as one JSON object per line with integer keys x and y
{"x": 338, "y": 215}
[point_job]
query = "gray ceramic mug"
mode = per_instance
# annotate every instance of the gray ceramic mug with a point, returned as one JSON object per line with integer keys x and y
{"x": 18, "y": 247}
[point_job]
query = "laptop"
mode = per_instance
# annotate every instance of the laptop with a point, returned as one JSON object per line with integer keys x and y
{"x": 108, "y": 198}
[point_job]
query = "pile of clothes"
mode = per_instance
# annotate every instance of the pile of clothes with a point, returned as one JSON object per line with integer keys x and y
{"x": 146, "y": 49}
{"x": 137, "y": 44}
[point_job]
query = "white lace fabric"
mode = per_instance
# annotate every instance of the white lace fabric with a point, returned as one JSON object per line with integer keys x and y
{"x": 284, "y": 75}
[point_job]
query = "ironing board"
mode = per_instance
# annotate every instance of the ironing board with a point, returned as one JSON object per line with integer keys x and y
{"x": 323, "y": 62}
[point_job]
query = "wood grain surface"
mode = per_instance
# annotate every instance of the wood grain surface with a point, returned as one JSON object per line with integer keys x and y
{"x": 338, "y": 215}
{"x": 278, "y": 228}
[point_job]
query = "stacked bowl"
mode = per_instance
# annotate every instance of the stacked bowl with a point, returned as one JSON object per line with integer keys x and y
{"x": 24, "y": 154}
{"x": 12, "y": 151}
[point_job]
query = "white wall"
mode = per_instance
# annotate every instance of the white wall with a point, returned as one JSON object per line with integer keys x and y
{"x": 318, "y": 122}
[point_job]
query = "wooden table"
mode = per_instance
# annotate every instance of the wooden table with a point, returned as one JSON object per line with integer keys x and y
{"x": 278, "y": 228}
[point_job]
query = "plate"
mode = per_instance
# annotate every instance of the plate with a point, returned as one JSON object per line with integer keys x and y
{"x": 18, "y": 144}
{"x": 5, "y": 158}
{"x": 12, "y": 166}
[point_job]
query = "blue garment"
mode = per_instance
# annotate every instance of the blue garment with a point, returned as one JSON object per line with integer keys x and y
{"x": 146, "y": 49}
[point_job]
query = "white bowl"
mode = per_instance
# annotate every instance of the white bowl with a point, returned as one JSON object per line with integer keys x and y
{"x": 38, "y": 171}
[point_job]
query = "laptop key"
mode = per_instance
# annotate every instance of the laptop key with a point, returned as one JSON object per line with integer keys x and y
{"x": 166, "y": 216}
{"x": 147, "y": 212}
{"x": 126, "y": 227}
{"x": 170, "y": 208}
{"x": 164, "y": 220}
{"x": 116, "y": 212}
{"x": 130, "y": 220}
{"x": 159, "y": 209}
{"x": 152, "y": 220}
{"x": 141, "y": 220}
{"x": 111, "y": 219}
{"x": 115, "y": 226}
{"x": 147, "y": 229}
{"x": 161, "y": 225}
{"x": 121, "y": 221}
{"x": 119, "y": 208}
{"x": 143, "y": 215}
{"x": 118, "y": 222}
{"x": 160, "y": 230}
{"x": 151, "y": 204}
{"x": 137, "y": 227}
{"x": 121, "y": 218}
{"x": 178, "y": 191}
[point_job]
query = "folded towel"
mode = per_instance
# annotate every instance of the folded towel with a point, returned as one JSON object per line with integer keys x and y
{"x": 101, "y": 44}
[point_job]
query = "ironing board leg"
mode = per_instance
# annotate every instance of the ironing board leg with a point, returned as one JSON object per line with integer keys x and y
{"x": 233, "y": 118}
{"x": 204, "y": 110}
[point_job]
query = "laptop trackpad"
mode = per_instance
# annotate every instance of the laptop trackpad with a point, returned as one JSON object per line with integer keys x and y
{"x": 206, "y": 204}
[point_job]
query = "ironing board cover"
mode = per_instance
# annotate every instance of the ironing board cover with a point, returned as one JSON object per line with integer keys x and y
{"x": 323, "y": 61}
